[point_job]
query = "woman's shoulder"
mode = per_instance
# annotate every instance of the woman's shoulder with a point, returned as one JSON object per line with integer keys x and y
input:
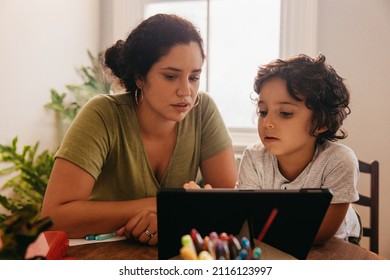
{"x": 207, "y": 108}
{"x": 106, "y": 108}
{"x": 204, "y": 95}
{"x": 112, "y": 98}
{"x": 107, "y": 103}
{"x": 205, "y": 99}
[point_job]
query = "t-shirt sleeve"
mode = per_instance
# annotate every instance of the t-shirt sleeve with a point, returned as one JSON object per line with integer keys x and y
{"x": 87, "y": 141}
{"x": 215, "y": 136}
{"x": 342, "y": 176}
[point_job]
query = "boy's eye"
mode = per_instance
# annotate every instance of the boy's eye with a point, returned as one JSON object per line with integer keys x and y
{"x": 262, "y": 113}
{"x": 286, "y": 114}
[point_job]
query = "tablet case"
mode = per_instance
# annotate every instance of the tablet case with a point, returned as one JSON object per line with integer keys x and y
{"x": 300, "y": 213}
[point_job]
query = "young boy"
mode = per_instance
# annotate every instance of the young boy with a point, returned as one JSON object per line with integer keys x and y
{"x": 302, "y": 103}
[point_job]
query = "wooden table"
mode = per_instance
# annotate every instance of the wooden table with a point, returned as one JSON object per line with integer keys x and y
{"x": 334, "y": 249}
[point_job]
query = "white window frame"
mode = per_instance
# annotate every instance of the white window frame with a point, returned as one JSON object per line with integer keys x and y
{"x": 298, "y": 34}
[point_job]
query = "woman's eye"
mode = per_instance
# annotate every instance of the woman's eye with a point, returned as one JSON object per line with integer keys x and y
{"x": 194, "y": 78}
{"x": 169, "y": 77}
{"x": 286, "y": 114}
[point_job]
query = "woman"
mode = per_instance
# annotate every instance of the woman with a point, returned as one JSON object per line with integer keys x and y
{"x": 122, "y": 148}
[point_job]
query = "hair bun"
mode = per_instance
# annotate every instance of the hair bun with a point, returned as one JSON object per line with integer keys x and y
{"x": 119, "y": 44}
{"x": 112, "y": 58}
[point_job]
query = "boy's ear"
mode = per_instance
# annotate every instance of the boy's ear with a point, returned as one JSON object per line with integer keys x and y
{"x": 320, "y": 130}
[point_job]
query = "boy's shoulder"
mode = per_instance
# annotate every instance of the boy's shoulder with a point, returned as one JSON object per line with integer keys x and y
{"x": 335, "y": 147}
{"x": 256, "y": 150}
{"x": 257, "y": 147}
{"x": 336, "y": 151}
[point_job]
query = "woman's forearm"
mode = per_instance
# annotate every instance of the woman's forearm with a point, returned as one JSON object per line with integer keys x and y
{"x": 80, "y": 218}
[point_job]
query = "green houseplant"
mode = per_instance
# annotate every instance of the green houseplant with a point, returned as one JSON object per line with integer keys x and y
{"x": 30, "y": 173}
{"x": 29, "y": 170}
{"x": 94, "y": 82}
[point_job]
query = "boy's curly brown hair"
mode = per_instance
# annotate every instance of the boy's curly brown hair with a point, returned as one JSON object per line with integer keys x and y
{"x": 317, "y": 84}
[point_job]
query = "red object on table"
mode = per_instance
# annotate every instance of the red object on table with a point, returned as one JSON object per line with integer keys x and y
{"x": 50, "y": 245}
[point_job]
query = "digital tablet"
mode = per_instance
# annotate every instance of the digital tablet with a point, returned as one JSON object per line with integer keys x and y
{"x": 299, "y": 216}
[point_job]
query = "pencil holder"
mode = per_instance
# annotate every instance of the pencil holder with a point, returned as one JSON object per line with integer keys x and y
{"x": 216, "y": 246}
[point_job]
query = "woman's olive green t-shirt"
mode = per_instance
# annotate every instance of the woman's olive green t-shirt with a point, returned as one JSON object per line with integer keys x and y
{"x": 104, "y": 140}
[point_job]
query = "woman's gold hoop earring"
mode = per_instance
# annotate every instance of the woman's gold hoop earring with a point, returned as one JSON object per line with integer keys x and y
{"x": 137, "y": 92}
{"x": 196, "y": 101}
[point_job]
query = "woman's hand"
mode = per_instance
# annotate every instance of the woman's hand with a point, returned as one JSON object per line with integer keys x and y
{"x": 142, "y": 227}
{"x": 192, "y": 185}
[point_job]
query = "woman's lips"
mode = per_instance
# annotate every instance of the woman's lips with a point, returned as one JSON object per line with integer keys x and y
{"x": 181, "y": 107}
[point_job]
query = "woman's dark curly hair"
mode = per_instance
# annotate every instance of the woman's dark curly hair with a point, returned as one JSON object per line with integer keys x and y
{"x": 146, "y": 44}
{"x": 318, "y": 84}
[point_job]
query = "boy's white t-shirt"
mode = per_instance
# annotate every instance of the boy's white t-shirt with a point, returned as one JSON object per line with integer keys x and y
{"x": 334, "y": 166}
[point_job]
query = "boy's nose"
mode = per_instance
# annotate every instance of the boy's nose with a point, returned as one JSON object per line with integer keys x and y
{"x": 268, "y": 121}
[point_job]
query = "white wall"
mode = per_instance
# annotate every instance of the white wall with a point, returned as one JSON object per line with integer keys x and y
{"x": 42, "y": 43}
{"x": 354, "y": 35}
